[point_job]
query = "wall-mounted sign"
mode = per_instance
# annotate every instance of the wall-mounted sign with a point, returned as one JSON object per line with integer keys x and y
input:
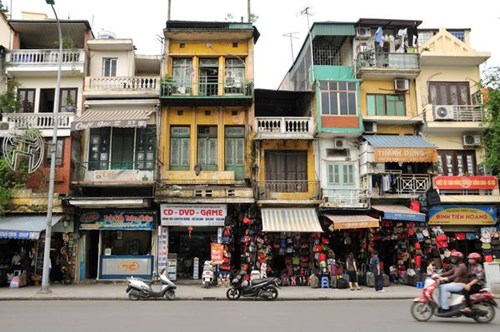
{"x": 217, "y": 253}
{"x": 23, "y": 147}
{"x": 117, "y": 220}
{"x": 120, "y": 267}
{"x": 463, "y": 215}
{"x": 19, "y": 235}
{"x": 465, "y": 182}
{"x": 193, "y": 215}
{"x": 411, "y": 155}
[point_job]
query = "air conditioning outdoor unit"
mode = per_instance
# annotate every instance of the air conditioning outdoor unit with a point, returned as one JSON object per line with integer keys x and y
{"x": 444, "y": 112}
{"x": 370, "y": 127}
{"x": 472, "y": 140}
{"x": 339, "y": 144}
{"x": 363, "y": 33}
{"x": 401, "y": 84}
{"x": 4, "y": 126}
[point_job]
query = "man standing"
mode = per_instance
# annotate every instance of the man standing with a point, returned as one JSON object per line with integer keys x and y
{"x": 378, "y": 275}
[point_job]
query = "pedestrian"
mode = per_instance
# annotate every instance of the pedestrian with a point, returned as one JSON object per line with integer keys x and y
{"x": 378, "y": 276}
{"x": 352, "y": 271}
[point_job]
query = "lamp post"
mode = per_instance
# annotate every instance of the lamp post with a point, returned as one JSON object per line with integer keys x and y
{"x": 52, "y": 149}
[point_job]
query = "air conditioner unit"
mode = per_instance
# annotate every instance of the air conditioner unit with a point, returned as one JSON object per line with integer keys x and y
{"x": 472, "y": 140}
{"x": 444, "y": 112}
{"x": 4, "y": 126}
{"x": 401, "y": 84}
{"x": 339, "y": 144}
{"x": 363, "y": 33}
{"x": 370, "y": 127}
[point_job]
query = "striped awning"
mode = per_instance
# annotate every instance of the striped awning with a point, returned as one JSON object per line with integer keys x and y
{"x": 352, "y": 222}
{"x": 121, "y": 118}
{"x": 24, "y": 227}
{"x": 290, "y": 220}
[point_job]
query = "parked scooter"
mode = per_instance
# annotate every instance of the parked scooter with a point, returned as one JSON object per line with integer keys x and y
{"x": 142, "y": 289}
{"x": 208, "y": 274}
{"x": 266, "y": 288}
{"x": 426, "y": 305}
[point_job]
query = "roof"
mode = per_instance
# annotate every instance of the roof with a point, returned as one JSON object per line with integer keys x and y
{"x": 389, "y": 141}
{"x": 212, "y": 26}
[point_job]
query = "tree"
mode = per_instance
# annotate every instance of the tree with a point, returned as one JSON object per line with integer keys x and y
{"x": 491, "y": 82}
{"x": 8, "y": 100}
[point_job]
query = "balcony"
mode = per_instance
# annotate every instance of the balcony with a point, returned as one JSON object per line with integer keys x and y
{"x": 41, "y": 121}
{"x": 345, "y": 198}
{"x": 23, "y": 62}
{"x": 371, "y": 65}
{"x": 287, "y": 192}
{"x": 284, "y": 128}
{"x": 114, "y": 173}
{"x": 401, "y": 185}
{"x": 454, "y": 118}
{"x": 138, "y": 86}
{"x": 206, "y": 94}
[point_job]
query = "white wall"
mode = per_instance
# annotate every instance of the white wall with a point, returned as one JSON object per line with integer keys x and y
{"x": 328, "y": 143}
{"x": 125, "y": 63}
{"x": 5, "y": 33}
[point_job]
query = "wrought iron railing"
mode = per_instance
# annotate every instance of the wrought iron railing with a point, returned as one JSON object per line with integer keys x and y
{"x": 471, "y": 113}
{"x": 207, "y": 89}
{"x": 410, "y": 184}
{"x": 268, "y": 189}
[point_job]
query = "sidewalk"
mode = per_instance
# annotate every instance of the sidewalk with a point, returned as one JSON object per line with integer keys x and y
{"x": 116, "y": 291}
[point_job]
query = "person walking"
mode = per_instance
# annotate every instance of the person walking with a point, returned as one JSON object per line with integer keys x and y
{"x": 378, "y": 275}
{"x": 352, "y": 271}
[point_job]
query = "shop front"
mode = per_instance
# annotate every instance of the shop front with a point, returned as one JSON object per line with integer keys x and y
{"x": 186, "y": 235}
{"x": 116, "y": 244}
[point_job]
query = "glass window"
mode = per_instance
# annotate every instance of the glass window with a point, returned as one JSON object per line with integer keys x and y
{"x": 234, "y": 81}
{"x": 99, "y": 148}
{"x": 207, "y": 147}
{"x": 339, "y": 98}
{"x": 145, "y": 148}
{"x": 182, "y": 74}
{"x": 457, "y": 162}
{"x": 382, "y": 104}
{"x": 341, "y": 174}
{"x": 27, "y": 99}
{"x": 109, "y": 66}
{"x": 179, "y": 147}
{"x": 68, "y": 100}
{"x": 59, "y": 152}
{"x": 449, "y": 93}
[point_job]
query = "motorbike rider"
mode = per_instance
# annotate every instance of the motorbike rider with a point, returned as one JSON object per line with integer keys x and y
{"x": 476, "y": 279}
{"x": 455, "y": 280}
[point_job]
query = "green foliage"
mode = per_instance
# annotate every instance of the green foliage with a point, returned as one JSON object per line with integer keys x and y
{"x": 8, "y": 99}
{"x": 492, "y": 119}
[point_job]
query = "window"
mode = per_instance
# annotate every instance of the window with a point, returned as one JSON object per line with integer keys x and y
{"x": 182, "y": 74}
{"x": 341, "y": 174}
{"x": 68, "y": 100}
{"x": 207, "y": 147}
{"x": 381, "y": 104}
{"x": 99, "y": 148}
{"x": 145, "y": 148}
{"x": 47, "y": 97}
{"x": 338, "y": 98}
{"x": 59, "y": 152}
{"x": 235, "y": 76}
{"x": 234, "y": 154}
{"x": 109, "y": 66}
{"x": 27, "y": 99}
{"x": 209, "y": 77}
{"x": 449, "y": 93}
{"x": 179, "y": 147}
{"x": 459, "y": 34}
{"x": 457, "y": 162}
{"x": 286, "y": 171}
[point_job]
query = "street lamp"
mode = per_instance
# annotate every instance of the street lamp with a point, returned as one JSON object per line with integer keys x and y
{"x": 52, "y": 149}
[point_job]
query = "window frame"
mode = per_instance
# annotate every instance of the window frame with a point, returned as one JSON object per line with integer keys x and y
{"x": 205, "y": 144}
{"x": 436, "y": 96}
{"x": 63, "y": 101}
{"x": 181, "y": 138}
{"x": 386, "y": 103}
{"x": 185, "y": 71}
{"x": 110, "y": 71}
{"x": 344, "y": 171}
{"x": 455, "y": 162}
{"x": 59, "y": 152}
{"x": 343, "y": 94}
{"x": 25, "y": 99}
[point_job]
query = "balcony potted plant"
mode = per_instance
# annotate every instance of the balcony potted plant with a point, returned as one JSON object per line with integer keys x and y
{"x": 70, "y": 105}
{"x": 168, "y": 86}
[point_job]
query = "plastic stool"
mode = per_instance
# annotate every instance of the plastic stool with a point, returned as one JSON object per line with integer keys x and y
{"x": 325, "y": 282}
{"x": 420, "y": 284}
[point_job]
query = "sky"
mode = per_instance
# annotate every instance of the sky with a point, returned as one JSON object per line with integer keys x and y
{"x": 144, "y": 20}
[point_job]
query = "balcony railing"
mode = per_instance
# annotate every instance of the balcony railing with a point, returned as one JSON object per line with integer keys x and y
{"x": 282, "y": 127}
{"x": 463, "y": 113}
{"x": 210, "y": 89}
{"x": 123, "y": 84}
{"x": 388, "y": 60}
{"x": 291, "y": 189}
{"x": 38, "y": 120}
{"x": 346, "y": 197}
{"x": 44, "y": 56}
{"x": 399, "y": 184}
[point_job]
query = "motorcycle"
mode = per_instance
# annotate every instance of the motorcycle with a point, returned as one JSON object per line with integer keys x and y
{"x": 426, "y": 305}
{"x": 142, "y": 289}
{"x": 266, "y": 288}
{"x": 207, "y": 276}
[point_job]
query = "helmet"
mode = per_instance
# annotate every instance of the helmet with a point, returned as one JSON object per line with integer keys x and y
{"x": 456, "y": 257}
{"x": 475, "y": 256}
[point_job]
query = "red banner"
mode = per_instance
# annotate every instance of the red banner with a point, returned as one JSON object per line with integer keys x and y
{"x": 465, "y": 182}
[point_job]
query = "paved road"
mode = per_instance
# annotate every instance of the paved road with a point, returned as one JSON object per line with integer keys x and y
{"x": 186, "y": 316}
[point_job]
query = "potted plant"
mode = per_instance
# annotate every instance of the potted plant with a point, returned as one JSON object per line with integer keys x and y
{"x": 70, "y": 105}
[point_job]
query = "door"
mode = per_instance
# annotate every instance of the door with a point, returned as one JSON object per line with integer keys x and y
{"x": 209, "y": 77}
{"x": 286, "y": 171}
{"x": 92, "y": 253}
{"x": 122, "y": 153}
{"x": 234, "y": 154}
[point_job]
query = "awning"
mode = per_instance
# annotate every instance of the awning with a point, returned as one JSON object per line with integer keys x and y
{"x": 290, "y": 220}
{"x": 121, "y": 118}
{"x": 352, "y": 222}
{"x": 399, "y": 212}
{"x": 110, "y": 203}
{"x": 24, "y": 227}
{"x": 401, "y": 149}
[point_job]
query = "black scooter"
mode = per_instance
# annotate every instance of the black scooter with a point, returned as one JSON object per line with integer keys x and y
{"x": 266, "y": 289}
{"x": 142, "y": 289}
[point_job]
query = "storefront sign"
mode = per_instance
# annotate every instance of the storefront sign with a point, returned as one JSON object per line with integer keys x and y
{"x": 463, "y": 215}
{"x": 193, "y": 215}
{"x": 217, "y": 253}
{"x": 117, "y": 220}
{"x": 125, "y": 266}
{"x": 411, "y": 155}
{"x": 465, "y": 182}
{"x": 19, "y": 235}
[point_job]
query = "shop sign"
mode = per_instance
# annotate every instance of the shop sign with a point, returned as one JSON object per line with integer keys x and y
{"x": 117, "y": 220}
{"x": 193, "y": 215}
{"x": 412, "y": 155}
{"x": 465, "y": 182}
{"x": 217, "y": 253}
{"x": 120, "y": 266}
{"x": 463, "y": 215}
{"x": 19, "y": 235}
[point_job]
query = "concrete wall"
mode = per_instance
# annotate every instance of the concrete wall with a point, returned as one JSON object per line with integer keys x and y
{"x": 125, "y": 65}
{"x": 5, "y": 33}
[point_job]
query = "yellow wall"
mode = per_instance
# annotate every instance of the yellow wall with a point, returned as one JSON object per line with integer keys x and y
{"x": 387, "y": 87}
{"x": 387, "y": 129}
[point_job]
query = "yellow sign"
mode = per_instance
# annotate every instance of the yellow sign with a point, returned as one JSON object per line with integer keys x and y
{"x": 412, "y": 155}
{"x": 461, "y": 216}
